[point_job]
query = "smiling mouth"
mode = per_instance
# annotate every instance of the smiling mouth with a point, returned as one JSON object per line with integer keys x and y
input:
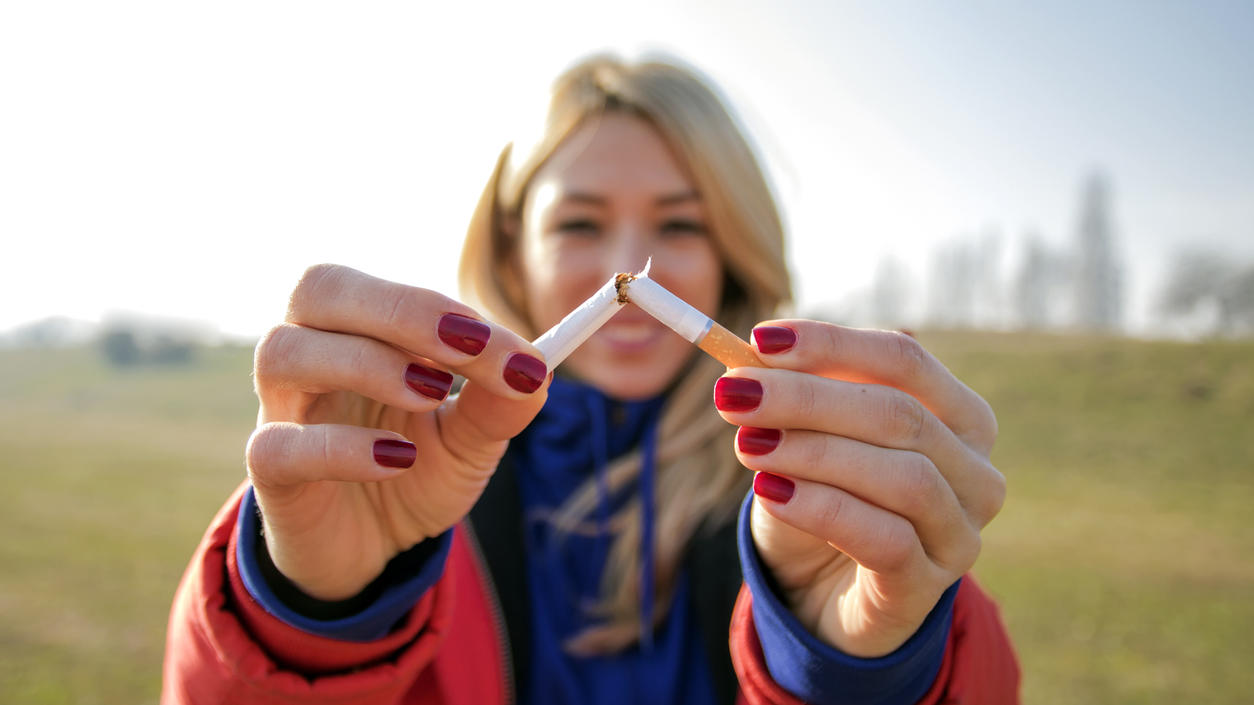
{"x": 631, "y": 334}
{"x": 628, "y": 332}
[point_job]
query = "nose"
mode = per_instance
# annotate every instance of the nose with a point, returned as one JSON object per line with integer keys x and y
{"x": 629, "y": 252}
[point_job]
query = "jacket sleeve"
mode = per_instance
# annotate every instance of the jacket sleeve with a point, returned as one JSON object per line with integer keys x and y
{"x": 370, "y": 615}
{"x": 979, "y": 666}
{"x": 223, "y": 647}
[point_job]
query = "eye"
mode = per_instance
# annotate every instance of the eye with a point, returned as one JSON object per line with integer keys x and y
{"x": 579, "y": 227}
{"x": 681, "y": 227}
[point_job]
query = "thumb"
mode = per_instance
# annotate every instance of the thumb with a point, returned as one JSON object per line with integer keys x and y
{"x": 476, "y": 423}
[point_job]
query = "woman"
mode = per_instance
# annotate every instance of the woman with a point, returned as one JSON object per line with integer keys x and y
{"x": 394, "y": 544}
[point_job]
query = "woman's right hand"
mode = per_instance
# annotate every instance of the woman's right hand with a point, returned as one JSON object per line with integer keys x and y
{"x": 357, "y": 455}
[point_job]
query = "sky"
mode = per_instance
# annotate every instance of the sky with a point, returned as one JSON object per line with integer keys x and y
{"x": 190, "y": 160}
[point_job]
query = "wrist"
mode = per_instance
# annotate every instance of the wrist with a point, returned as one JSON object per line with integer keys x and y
{"x": 858, "y": 629}
{"x": 368, "y": 615}
{"x": 319, "y": 583}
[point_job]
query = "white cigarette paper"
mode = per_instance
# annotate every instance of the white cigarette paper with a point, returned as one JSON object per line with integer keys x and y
{"x": 677, "y": 314}
{"x": 694, "y": 326}
{"x": 561, "y": 340}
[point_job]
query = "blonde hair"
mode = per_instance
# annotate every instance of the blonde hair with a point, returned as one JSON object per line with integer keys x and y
{"x": 699, "y": 482}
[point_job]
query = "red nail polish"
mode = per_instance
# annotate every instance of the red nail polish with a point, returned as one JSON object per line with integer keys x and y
{"x": 428, "y": 381}
{"x": 463, "y": 333}
{"x": 757, "y": 441}
{"x": 774, "y": 339}
{"x": 773, "y": 487}
{"x": 395, "y": 454}
{"x": 737, "y": 394}
{"x": 524, "y": 372}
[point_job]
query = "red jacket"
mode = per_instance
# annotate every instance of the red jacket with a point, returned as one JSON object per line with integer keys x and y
{"x": 222, "y": 647}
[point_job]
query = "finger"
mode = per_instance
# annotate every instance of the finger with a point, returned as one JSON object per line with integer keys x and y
{"x": 295, "y": 358}
{"x": 287, "y": 454}
{"x": 423, "y": 322}
{"x": 870, "y": 413}
{"x": 872, "y": 536}
{"x": 905, "y": 483}
{"x": 879, "y": 357}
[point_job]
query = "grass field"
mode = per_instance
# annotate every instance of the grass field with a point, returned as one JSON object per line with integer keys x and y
{"x": 1123, "y": 560}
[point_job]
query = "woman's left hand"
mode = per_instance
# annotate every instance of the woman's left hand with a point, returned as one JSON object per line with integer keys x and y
{"x": 874, "y": 478}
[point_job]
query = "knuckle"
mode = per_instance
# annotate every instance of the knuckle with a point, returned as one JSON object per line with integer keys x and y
{"x": 399, "y": 309}
{"x": 813, "y": 452}
{"x": 922, "y": 486}
{"x": 907, "y": 416}
{"x": 832, "y": 511}
{"x": 912, "y": 358}
{"x": 360, "y": 358}
{"x": 804, "y": 399}
{"x": 275, "y": 347}
{"x": 829, "y": 346}
{"x": 310, "y": 288}
{"x": 898, "y": 550}
{"x": 981, "y": 432}
{"x": 960, "y": 555}
{"x": 990, "y": 417}
{"x": 994, "y": 496}
{"x": 989, "y": 425}
{"x": 970, "y": 551}
{"x": 960, "y": 551}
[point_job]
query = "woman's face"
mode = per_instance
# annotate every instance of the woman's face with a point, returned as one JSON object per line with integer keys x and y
{"x": 611, "y": 196}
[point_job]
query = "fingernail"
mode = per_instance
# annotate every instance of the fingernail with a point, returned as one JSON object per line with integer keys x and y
{"x": 524, "y": 372}
{"x": 773, "y": 487}
{"x": 757, "y": 441}
{"x": 395, "y": 454}
{"x": 774, "y": 339}
{"x": 428, "y": 381}
{"x": 737, "y": 394}
{"x": 463, "y": 333}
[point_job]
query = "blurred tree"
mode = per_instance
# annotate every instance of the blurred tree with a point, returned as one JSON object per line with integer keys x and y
{"x": 55, "y": 331}
{"x": 889, "y": 293}
{"x": 951, "y": 299}
{"x": 1099, "y": 273}
{"x": 1032, "y": 286}
{"x": 120, "y": 347}
{"x": 1206, "y": 286}
{"x": 988, "y": 296}
{"x": 1241, "y": 298}
{"x": 127, "y": 344}
{"x": 170, "y": 350}
{"x": 1038, "y": 285}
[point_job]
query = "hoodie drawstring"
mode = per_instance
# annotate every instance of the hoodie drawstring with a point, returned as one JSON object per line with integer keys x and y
{"x": 647, "y": 460}
{"x": 600, "y": 460}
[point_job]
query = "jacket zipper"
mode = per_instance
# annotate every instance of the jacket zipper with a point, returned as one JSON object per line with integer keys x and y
{"x": 498, "y": 615}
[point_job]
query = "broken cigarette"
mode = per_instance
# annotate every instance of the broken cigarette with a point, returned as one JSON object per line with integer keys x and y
{"x": 677, "y": 314}
{"x": 694, "y": 326}
{"x": 579, "y": 325}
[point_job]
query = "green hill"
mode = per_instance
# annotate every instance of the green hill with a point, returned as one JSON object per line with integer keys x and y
{"x": 1122, "y": 559}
